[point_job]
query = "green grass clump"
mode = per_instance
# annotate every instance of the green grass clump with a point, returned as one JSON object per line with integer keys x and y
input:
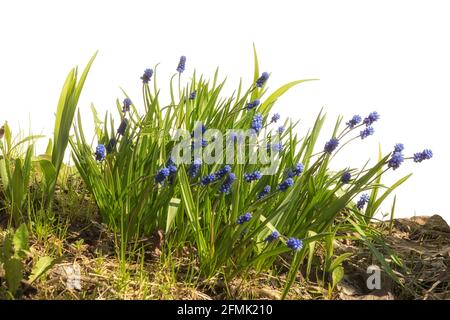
{"x": 237, "y": 224}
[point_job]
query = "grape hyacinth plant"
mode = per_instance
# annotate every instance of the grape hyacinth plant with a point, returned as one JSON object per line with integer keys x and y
{"x": 199, "y": 201}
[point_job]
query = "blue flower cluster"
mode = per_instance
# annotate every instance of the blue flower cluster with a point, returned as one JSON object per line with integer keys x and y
{"x": 172, "y": 169}
{"x": 192, "y": 95}
{"x": 244, "y": 218}
{"x": 122, "y": 127}
{"x": 111, "y": 145}
{"x": 276, "y": 147}
{"x": 294, "y": 244}
{"x": 275, "y": 117}
{"x": 368, "y": 131}
{"x": 345, "y": 178}
{"x": 226, "y": 185}
{"x": 257, "y": 122}
{"x": 222, "y": 172}
{"x": 396, "y": 160}
{"x": 200, "y": 128}
{"x": 296, "y": 171}
{"x": 215, "y": 176}
{"x": 252, "y": 176}
{"x": 272, "y": 237}
{"x": 126, "y": 105}
{"x": 280, "y": 129}
{"x": 371, "y": 118}
{"x": 399, "y": 147}
{"x": 263, "y": 193}
{"x": 197, "y": 144}
{"x": 331, "y": 145}
{"x": 195, "y": 168}
{"x": 362, "y": 201}
{"x": 210, "y": 178}
{"x": 353, "y": 121}
{"x": 181, "y": 64}
{"x": 283, "y": 186}
{"x": 148, "y": 73}
{"x": 253, "y": 104}
{"x": 100, "y": 152}
{"x": 424, "y": 155}
{"x": 161, "y": 175}
{"x": 262, "y": 79}
{"x": 236, "y": 137}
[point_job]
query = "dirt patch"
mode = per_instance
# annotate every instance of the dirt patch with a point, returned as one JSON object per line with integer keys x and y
{"x": 422, "y": 245}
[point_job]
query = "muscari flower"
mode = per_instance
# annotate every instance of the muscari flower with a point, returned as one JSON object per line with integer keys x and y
{"x": 362, "y": 201}
{"x": 172, "y": 169}
{"x": 253, "y": 104}
{"x": 280, "y": 129}
{"x": 226, "y": 186}
{"x": 346, "y": 176}
{"x": 272, "y": 237}
{"x": 294, "y": 244}
{"x": 331, "y": 145}
{"x": 233, "y": 137}
{"x": 222, "y": 172}
{"x": 161, "y": 175}
{"x": 126, "y": 105}
{"x": 148, "y": 73}
{"x": 100, "y": 152}
{"x": 181, "y": 64}
{"x": 193, "y": 95}
{"x": 257, "y": 122}
{"x": 201, "y": 128}
{"x": 353, "y": 121}
{"x": 368, "y": 131}
{"x": 371, "y": 118}
{"x": 396, "y": 160}
{"x": 289, "y": 182}
{"x": 208, "y": 179}
{"x": 111, "y": 145}
{"x": 171, "y": 166}
{"x": 197, "y": 144}
{"x": 252, "y": 176}
{"x": 263, "y": 193}
{"x": 424, "y": 155}
{"x": 296, "y": 171}
{"x": 194, "y": 168}
{"x": 276, "y": 147}
{"x": 244, "y": 218}
{"x": 275, "y": 117}
{"x": 122, "y": 127}
{"x": 262, "y": 79}
{"x": 399, "y": 147}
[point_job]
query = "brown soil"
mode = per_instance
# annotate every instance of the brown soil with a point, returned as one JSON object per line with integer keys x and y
{"x": 423, "y": 246}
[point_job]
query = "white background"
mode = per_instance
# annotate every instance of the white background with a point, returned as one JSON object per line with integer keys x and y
{"x": 389, "y": 56}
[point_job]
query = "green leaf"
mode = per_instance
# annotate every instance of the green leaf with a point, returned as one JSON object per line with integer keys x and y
{"x": 48, "y": 150}
{"x": 20, "y": 239}
{"x": 4, "y": 174}
{"x": 338, "y": 261}
{"x": 13, "y": 273}
{"x": 48, "y": 170}
{"x": 40, "y": 268}
{"x": 337, "y": 275}
{"x": 172, "y": 212}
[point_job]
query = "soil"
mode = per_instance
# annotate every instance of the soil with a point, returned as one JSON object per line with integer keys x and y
{"x": 423, "y": 246}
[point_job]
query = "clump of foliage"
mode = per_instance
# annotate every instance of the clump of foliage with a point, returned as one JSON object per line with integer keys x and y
{"x": 237, "y": 218}
{"x": 235, "y": 215}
